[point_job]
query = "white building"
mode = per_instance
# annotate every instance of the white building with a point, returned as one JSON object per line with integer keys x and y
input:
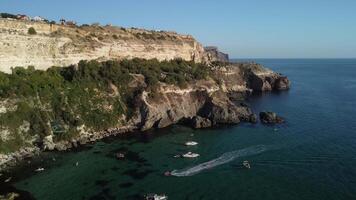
{"x": 38, "y": 19}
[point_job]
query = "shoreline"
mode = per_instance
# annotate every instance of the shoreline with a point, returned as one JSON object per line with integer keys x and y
{"x": 9, "y": 161}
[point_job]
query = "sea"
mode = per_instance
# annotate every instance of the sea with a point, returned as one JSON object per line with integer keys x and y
{"x": 311, "y": 156}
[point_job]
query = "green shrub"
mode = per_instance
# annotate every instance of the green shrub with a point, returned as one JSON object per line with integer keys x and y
{"x": 32, "y": 31}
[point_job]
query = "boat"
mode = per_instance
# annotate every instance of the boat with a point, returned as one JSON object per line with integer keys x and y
{"x": 190, "y": 155}
{"x": 167, "y": 173}
{"x": 120, "y": 156}
{"x": 246, "y": 164}
{"x": 40, "y": 169}
{"x": 191, "y": 143}
{"x": 156, "y": 197}
{"x": 8, "y": 180}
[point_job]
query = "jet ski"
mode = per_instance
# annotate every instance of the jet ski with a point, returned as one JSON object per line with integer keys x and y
{"x": 191, "y": 143}
{"x": 190, "y": 155}
{"x": 246, "y": 164}
{"x": 156, "y": 197}
{"x": 39, "y": 169}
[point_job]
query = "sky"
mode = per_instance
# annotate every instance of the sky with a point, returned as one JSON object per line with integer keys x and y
{"x": 241, "y": 28}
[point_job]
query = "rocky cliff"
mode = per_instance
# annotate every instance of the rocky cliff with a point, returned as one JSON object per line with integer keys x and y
{"x": 213, "y": 54}
{"x": 69, "y": 105}
{"x": 59, "y": 45}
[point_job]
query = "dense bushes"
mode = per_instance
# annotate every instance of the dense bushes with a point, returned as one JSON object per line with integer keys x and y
{"x": 61, "y": 99}
{"x": 32, "y": 31}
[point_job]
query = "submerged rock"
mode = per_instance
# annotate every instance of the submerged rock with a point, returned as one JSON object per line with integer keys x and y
{"x": 270, "y": 118}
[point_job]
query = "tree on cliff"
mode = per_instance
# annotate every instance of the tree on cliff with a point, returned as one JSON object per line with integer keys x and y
{"x": 32, "y": 31}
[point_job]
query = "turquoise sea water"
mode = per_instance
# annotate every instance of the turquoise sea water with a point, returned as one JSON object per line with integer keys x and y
{"x": 311, "y": 156}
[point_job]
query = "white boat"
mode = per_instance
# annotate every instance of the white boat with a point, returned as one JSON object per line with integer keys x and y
{"x": 39, "y": 169}
{"x": 190, "y": 155}
{"x": 191, "y": 143}
{"x": 8, "y": 180}
{"x": 156, "y": 197}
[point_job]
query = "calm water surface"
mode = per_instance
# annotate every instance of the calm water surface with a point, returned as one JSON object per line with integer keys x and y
{"x": 312, "y": 156}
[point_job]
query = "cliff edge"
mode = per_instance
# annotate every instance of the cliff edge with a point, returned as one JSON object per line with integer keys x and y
{"x": 62, "y": 45}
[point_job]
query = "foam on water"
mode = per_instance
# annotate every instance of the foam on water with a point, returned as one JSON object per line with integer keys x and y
{"x": 225, "y": 158}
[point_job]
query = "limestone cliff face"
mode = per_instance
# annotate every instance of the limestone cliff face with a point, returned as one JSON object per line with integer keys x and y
{"x": 56, "y": 45}
{"x": 218, "y": 99}
{"x": 213, "y": 54}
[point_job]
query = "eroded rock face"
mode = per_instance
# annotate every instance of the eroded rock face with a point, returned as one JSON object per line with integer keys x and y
{"x": 282, "y": 83}
{"x": 199, "y": 122}
{"x": 213, "y": 54}
{"x": 57, "y": 45}
{"x": 270, "y": 118}
{"x": 220, "y": 110}
{"x": 261, "y": 79}
{"x": 48, "y": 143}
{"x": 171, "y": 105}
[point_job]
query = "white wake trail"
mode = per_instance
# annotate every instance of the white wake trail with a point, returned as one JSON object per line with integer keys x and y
{"x": 225, "y": 158}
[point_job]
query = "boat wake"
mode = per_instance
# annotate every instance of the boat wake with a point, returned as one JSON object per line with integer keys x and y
{"x": 225, "y": 158}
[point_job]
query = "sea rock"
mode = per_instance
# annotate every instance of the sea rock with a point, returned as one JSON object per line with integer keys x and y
{"x": 200, "y": 122}
{"x": 270, "y": 118}
{"x": 282, "y": 83}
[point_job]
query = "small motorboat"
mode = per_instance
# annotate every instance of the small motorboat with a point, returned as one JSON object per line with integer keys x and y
{"x": 191, "y": 143}
{"x": 156, "y": 197}
{"x": 76, "y": 164}
{"x": 190, "y": 155}
{"x": 120, "y": 155}
{"x": 40, "y": 169}
{"x": 8, "y": 180}
{"x": 246, "y": 164}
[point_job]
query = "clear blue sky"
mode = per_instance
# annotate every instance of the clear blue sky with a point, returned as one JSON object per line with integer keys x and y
{"x": 242, "y": 28}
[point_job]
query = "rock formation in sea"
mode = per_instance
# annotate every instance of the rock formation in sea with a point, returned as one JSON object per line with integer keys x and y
{"x": 270, "y": 118}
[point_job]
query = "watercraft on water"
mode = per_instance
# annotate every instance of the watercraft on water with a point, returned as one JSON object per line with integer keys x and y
{"x": 191, "y": 143}
{"x": 40, "y": 169}
{"x": 120, "y": 156}
{"x": 8, "y": 180}
{"x": 246, "y": 164}
{"x": 156, "y": 197}
{"x": 167, "y": 173}
{"x": 190, "y": 155}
